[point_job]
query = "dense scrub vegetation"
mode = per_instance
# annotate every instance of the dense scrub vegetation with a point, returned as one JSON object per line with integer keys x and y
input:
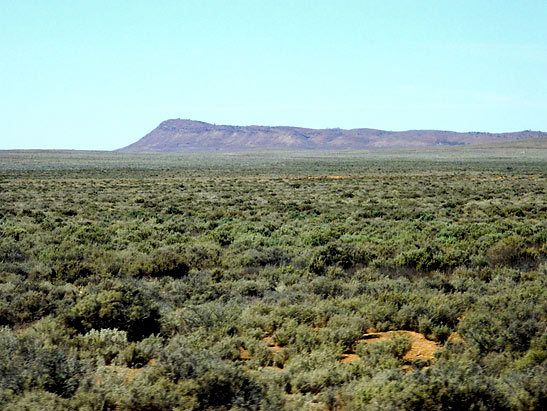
{"x": 242, "y": 284}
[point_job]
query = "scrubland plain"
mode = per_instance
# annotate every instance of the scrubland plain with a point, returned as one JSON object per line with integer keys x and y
{"x": 274, "y": 280}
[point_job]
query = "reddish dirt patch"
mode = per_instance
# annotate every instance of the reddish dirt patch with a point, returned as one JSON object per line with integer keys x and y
{"x": 274, "y": 348}
{"x": 349, "y": 357}
{"x": 421, "y": 348}
{"x": 272, "y": 345}
{"x": 331, "y": 177}
{"x": 244, "y": 354}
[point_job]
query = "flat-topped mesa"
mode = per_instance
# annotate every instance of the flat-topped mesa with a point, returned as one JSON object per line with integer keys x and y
{"x": 182, "y": 135}
{"x": 177, "y": 124}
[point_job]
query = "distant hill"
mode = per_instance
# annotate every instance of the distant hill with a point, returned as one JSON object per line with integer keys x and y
{"x": 192, "y": 136}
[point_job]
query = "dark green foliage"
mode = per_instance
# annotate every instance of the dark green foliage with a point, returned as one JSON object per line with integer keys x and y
{"x": 122, "y": 307}
{"x": 214, "y": 383}
{"x": 161, "y": 263}
{"x": 141, "y": 353}
{"x": 345, "y": 255}
{"x": 445, "y": 387}
{"x": 30, "y": 364}
{"x": 507, "y": 321}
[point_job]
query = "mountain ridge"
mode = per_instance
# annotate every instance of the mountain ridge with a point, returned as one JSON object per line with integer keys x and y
{"x": 182, "y": 135}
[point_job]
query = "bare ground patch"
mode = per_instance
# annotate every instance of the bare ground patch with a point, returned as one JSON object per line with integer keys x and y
{"x": 421, "y": 348}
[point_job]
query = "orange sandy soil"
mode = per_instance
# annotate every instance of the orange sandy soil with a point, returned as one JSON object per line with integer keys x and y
{"x": 332, "y": 177}
{"x": 244, "y": 354}
{"x": 274, "y": 347}
{"x": 271, "y": 344}
{"x": 421, "y": 348}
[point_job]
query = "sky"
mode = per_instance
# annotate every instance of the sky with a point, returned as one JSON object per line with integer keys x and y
{"x": 101, "y": 74}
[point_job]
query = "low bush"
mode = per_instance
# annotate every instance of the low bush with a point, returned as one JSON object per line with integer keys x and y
{"x": 123, "y": 307}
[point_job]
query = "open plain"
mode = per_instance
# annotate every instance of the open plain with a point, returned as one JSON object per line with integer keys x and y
{"x": 276, "y": 280}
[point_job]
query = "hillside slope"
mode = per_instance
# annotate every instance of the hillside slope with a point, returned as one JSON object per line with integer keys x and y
{"x": 178, "y": 135}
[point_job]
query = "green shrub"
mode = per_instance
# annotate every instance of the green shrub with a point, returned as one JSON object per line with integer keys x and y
{"x": 161, "y": 263}
{"x": 123, "y": 307}
{"x": 216, "y": 383}
{"x": 32, "y": 365}
{"x": 105, "y": 343}
{"x": 344, "y": 255}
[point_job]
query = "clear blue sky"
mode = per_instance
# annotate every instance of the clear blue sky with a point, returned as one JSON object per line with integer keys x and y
{"x": 101, "y": 74}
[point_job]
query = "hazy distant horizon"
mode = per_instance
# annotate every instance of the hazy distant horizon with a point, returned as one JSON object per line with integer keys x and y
{"x": 272, "y": 126}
